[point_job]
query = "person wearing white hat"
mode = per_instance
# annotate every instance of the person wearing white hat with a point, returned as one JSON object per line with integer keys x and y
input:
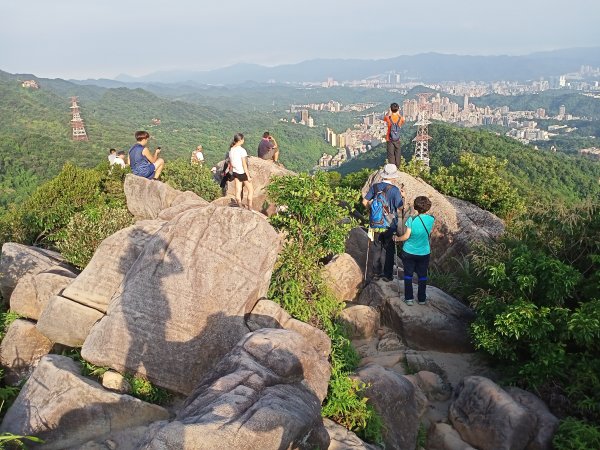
{"x": 384, "y": 201}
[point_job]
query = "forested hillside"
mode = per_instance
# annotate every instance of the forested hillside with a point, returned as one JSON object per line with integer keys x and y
{"x": 534, "y": 173}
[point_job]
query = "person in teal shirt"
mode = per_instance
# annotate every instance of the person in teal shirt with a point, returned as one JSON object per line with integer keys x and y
{"x": 416, "y": 250}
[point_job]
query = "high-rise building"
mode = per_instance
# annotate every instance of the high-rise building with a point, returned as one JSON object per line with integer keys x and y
{"x": 562, "y": 110}
{"x": 466, "y": 103}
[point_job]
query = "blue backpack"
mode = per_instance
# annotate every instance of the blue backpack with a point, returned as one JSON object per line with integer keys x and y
{"x": 380, "y": 217}
{"x": 394, "y": 130}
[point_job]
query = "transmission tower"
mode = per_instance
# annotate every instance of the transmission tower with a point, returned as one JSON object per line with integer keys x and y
{"x": 422, "y": 138}
{"x": 79, "y": 133}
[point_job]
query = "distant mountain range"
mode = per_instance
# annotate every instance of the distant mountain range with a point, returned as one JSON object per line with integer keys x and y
{"x": 426, "y": 67}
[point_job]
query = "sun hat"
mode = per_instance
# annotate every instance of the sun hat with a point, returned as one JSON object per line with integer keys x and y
{"x": 390, "y": 171}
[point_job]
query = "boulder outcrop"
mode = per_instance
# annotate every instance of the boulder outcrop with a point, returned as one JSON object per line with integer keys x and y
{"x": 442, "y": 324}
{"x": 33, "y": 292}
{"x": 266, "y": 393}
{"x": 65, "y": 409}
{"x": 21, "y": 349}
{"x": 343, "y": 277}
{"x": 181, "y": 305}
{"x": 18, "y": 260}
{"x": 459, "y": 224}
{"x": 488, "y": 418}
{"x": 362, "y": 322}
{"x": 343, "y": 439}
{"x": 100, "y": 280}
{"x": 395, "y": 400}
{"x": 442, "y": 436}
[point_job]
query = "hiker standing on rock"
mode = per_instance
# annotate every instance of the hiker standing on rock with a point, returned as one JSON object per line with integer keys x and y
{"x": 394, "y": 121}
{"x": 417, "y": 249}
{"x": 238, "y": 157}
{"x": 384, "y": 200}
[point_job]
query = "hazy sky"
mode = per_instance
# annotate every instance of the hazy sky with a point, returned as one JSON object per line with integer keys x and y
{"x": 103, "y": 38}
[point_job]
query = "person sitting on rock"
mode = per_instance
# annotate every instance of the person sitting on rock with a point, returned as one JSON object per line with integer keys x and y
{"x": 268, "y": 148}
{"x": 417, "y": 249}
{"x": 120, "y": 160}
{"x": 238, "y": 158}
{"x": 112, "y": 154}
{"x": 143, "y": 163}
{"x": 197, "y": 156}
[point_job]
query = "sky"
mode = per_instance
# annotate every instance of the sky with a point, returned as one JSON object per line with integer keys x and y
{"x": 104, "y": 38}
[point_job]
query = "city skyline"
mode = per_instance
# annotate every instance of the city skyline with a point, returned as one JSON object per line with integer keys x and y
{"x": 69, "y": 39}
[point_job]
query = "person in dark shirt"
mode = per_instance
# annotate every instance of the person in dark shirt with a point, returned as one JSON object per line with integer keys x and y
{"x": 143, "y": 163}
{"x": 268, "y": 148}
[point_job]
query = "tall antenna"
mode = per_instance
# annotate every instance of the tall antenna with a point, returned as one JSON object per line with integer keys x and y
{"x": 422, "y": 138}
{"x": 79, "y": 133}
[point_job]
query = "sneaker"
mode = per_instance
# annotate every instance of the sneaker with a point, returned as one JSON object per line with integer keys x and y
{"x": 409, "y": 302}
{"x": 387, "y": 279}
{"x": 376, "y": 277}
{"x": 422, "y": 302}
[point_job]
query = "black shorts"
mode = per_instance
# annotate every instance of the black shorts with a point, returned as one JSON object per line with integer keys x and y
{"x": 240, "y": 176}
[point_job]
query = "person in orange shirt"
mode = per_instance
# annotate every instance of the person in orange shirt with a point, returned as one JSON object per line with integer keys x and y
{"x": 394, "y": 121}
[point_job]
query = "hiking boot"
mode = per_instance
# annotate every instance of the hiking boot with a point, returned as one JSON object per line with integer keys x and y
{"x": 409, "y": 302}
{"x": 387, "y": 279}
{"x": 422, "y": 302}
{"x": 376, "y": 277}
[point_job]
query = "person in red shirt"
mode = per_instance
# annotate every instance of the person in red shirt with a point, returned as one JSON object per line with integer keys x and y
{"x": 394, "y": 121}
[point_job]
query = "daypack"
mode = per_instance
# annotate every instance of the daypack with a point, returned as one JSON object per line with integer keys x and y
{"x": 380, "y": 217}
{"x": 394, "y": 129}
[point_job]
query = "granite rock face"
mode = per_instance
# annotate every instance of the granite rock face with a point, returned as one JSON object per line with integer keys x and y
{"x": 181, "y": 305}
{"x": 147, "y": 198}
{"x": 266, "y": 393}
{"x": 343, "y": 277}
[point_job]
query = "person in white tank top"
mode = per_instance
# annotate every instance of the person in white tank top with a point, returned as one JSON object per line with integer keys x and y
{"x": 238, "y": 158}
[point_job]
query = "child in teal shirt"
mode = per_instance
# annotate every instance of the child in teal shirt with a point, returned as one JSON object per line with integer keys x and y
{"x": 416, "y": 250}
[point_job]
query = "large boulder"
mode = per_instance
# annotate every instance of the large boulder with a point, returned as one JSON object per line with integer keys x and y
{"x": 488, "y": 418}
{"x": 394, "y": 398}
{"x": 344, "y": 439}
{"x": 265, "y": 394}
{"x": 181, "y": 306}
{"x": 261, "y": 171}
{"x": 547, "y": 423}
{"x": 442, "y": 436}
{"x": 65, "y": 409}
{"x": 100, "y": 280}
{"x": 66, "y": 322}
{"x": 18, "y": 260}
{"x": 343, "y": 277}
{"x": 357, "y": 245}
{"x": 362, "y": 322}
{"x": 33, "y": 292}
{"x": 268, "y": 314}
{"x": 442, "y": 324}
{"x": 147, "y": 198}
{"x": 459, "y": 224}
{"x": 21, "y": 349}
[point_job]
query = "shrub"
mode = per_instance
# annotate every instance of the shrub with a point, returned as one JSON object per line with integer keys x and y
{"x": 181, "y": 175}
{"x": 87, "y": 229}
{"x": 146, "y": 391}
{"x": 575, "y": 434}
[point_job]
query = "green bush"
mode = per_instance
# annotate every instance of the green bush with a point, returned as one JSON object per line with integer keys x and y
{"x": 146, "y": 391}
{"x": 316, "y": 226}
{"x": 87, "y": 229}
{"x": 575, "y": 434}
{"x": 183, "y": 176}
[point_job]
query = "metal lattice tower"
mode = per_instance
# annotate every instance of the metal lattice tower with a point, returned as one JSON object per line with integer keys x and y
{"x": 79, "y": 133}
{"x": 422, "y": 138}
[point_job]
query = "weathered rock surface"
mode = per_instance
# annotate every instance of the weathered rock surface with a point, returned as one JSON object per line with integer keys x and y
{"x": 442, "y": 436}
{"x": 66, "y": 322}
{"x": 442, "y": 324}
{"x": 100, "y": 280}
{"x": 268, "y": 314}
{"x": 18, "y": 260}
{"x": 547, "y": 423}
{"x": 394, "y": 399}
{"x": 459, "y": 224}
{"x": 64, "y": 409}
{"x": 21, "y": 349}
{"x": 114, "y": 381}
{"x": 266, "y": 393}
{"x": 33, "y": 292}
{"x": 357, "y": 244}
{"x": 343, "y": 439}
{"x": 181, "y": 306}
{"x": 343, "y": 277}
{"x": 147, "y": 198}
{"x": 488, "y": 418}
{"x": 261, "y": 171}
{"x": 361, "y": 321}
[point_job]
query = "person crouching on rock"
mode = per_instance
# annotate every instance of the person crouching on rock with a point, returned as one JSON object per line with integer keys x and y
{"x": 417, "y": 249}
{"x": 143, "y": 163}
{"x": 238, "y": 158}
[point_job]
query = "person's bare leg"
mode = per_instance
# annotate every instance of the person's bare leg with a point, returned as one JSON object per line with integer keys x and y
{"x": 250, "y": 192}
{"x": 238, "y": 192}
{"x": 159, "y": 164}
{"x": 276, "y": 155}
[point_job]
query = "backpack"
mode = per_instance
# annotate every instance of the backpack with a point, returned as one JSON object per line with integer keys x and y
{"x": 380, "y": 217}
{"x": 394, "y": 129}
